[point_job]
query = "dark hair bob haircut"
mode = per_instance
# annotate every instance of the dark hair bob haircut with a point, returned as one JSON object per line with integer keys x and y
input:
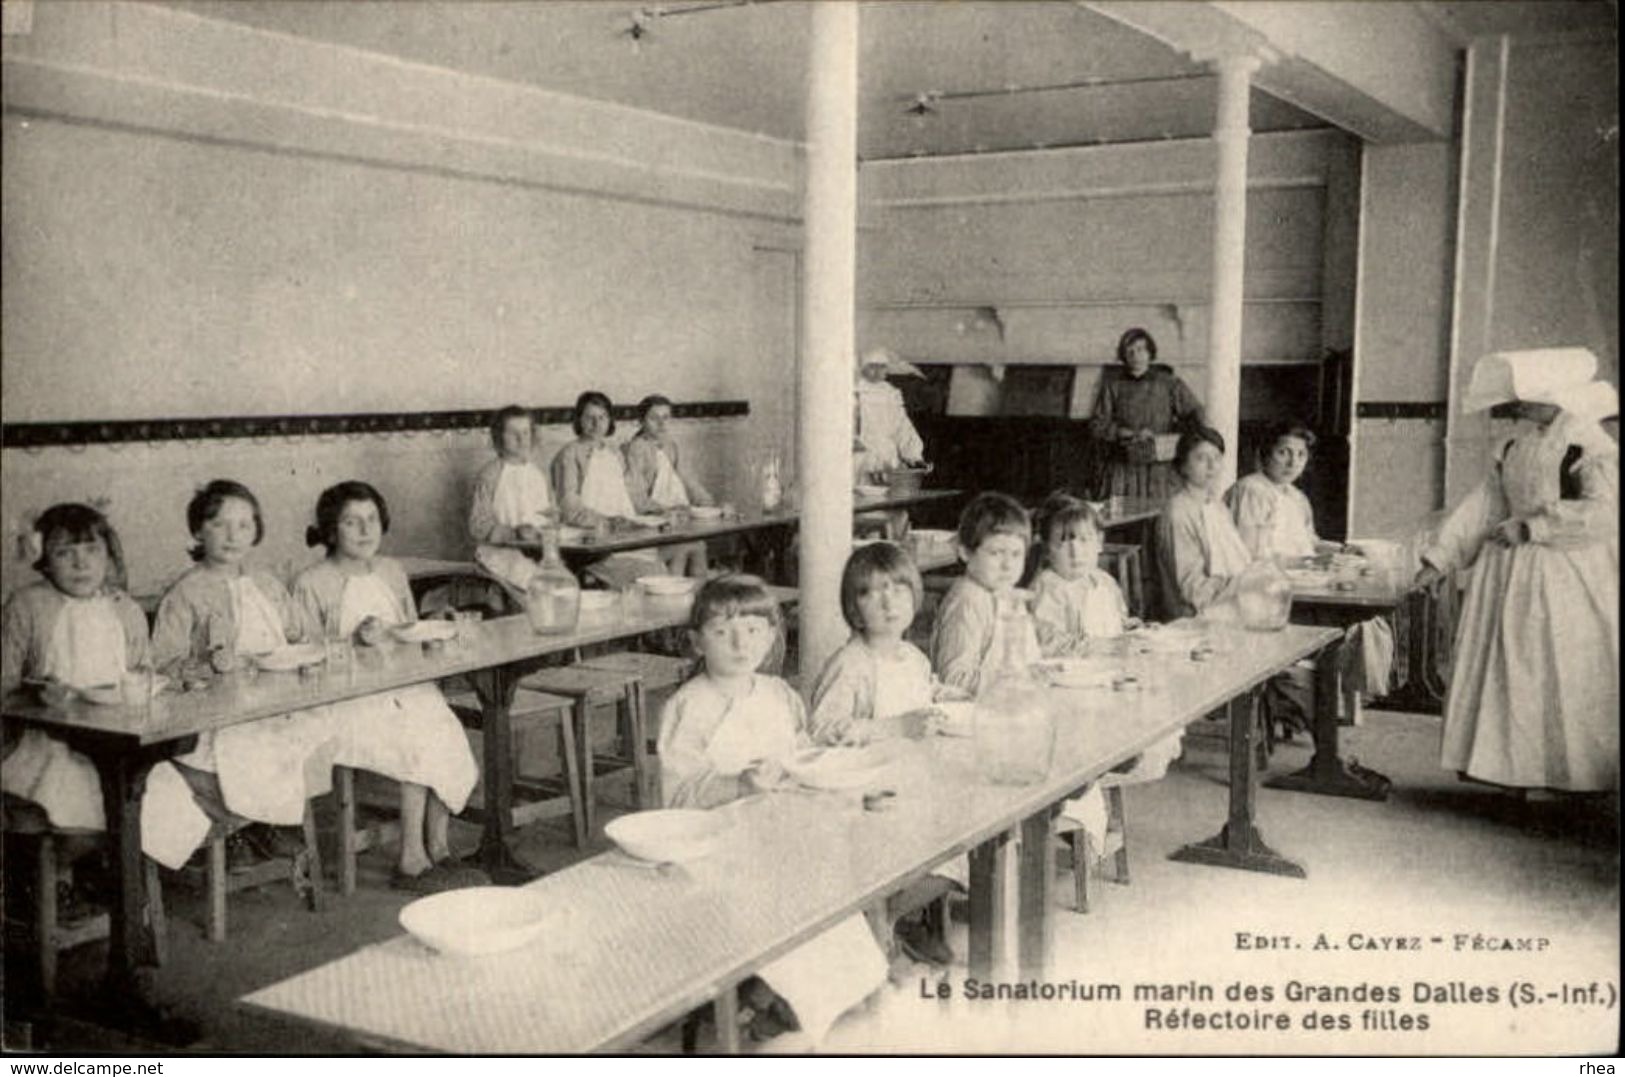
{"x": 651, "y": 402}
{"x": 1128, "y": 338}
{"x": 1287, "y": 428}
{"x": 591, "y": 396}
{"x": 885, "y": 559}
{"x": 205, "y": 504}
{"x": 1190, "y": 439}
{"x": 70, "y": 523}
{"x": 331, "y": 504}
{"x": 500, "y": 420}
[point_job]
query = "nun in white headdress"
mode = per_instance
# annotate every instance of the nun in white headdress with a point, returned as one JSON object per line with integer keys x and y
{"x": 1534, "y": 692}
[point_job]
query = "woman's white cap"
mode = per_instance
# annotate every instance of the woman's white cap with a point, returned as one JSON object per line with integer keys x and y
{"x": 895, "y": 366}
{"x": 1536, "y": 376}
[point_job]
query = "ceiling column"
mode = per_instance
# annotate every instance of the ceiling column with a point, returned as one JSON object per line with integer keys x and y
{"x": 1230, "y": 136}
{"x": 825, "y": 376}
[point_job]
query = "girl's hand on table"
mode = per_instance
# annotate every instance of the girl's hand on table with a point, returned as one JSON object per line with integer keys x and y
{"x": 947, "y": 693}
{"x": 915, "y": 724}
{"x": 764, "y": 777}
{"x": 527, "y": 533}
{"x": 223, "y": 659}
{"x": 1132, "y": 624}
{"x": 370, "y": 632}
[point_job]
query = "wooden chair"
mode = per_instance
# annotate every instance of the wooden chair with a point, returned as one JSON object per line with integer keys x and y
{"x": 655, "y": 671}
{"x": 586, "y": 688}
{"x": 1083, "y": 858}
{"x": 304, "y": 870}
{"x": 1123, "y": 561}
{"x": 51, "y": 935}
{"x": 546, "y": 797}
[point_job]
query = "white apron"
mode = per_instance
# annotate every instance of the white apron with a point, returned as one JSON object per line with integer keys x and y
{"x": 408, "y": 734}
{"x": 269, "y": 768}
{"x": 828, "y": 975}
{"x": 603, "y": 489}
{"x": 522, "y": 497}
{"x": 669, "y": 488}
{"x": 87, "y": 648}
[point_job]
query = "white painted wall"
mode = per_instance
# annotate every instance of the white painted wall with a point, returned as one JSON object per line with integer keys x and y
{"x": 204, "y": 219}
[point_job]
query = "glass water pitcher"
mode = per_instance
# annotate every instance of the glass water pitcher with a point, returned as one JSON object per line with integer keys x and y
{"x": 553, "y": 596}
{"x": 1013, "y": 729}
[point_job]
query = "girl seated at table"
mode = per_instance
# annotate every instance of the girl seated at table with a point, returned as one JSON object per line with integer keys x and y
{"x": 213, "y": 620}
{"x": 879, "y": 686}
{"x": 1274, "y": 519}
{"x": 655, "y": 469}
{"x": 1077, "y": 605}
{"x": 407, "y": 734}
{"x": 513, "y": 501}
{"x": 77, "y": 629}
{"x": 594, "y": 488}
{"x": 727, "y": 733}
{"x": 984, "y": 607}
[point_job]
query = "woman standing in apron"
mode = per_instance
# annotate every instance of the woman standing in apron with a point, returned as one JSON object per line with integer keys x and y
{"x": 656, "y": 471}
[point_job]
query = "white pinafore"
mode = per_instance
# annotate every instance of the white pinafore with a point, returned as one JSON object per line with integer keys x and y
{"x": 522, "y": 497}
{"x": 269, "y": 768}
{"x": 603, "y": 490}
{"x": 669, "y": 488}
{"x": 87, "y": 648}
{"x": 408, "y": 734}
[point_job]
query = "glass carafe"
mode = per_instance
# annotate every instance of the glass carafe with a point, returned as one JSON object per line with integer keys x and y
{"x": 1264, "y": 595}
{"x": 1011, "y": 722}
{"x": 553, "y": 596}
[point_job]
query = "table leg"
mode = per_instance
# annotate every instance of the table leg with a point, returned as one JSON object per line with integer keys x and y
{"x": 726, "y": 1009}
{"x": 1327, "y": 774}
{"x": 1036, "y": 905}
{"x": 124, "y": 780}
{"x": 495, "y": 688}
{"x": 1239, "y": 844}
{"x": 990, "y": 864}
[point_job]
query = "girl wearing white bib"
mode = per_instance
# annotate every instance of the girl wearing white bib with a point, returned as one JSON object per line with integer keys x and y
{"x": 78, "y": 629}
{"x": 408, "y": 734}
{"x": 591, "y": 479}
{"x": 655, "y": 468}
{"x": 218, "y": 617}
{"x": 513, "y": 501}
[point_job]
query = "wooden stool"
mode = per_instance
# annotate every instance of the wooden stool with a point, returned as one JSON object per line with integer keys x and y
{"x": 303, "y": 869}
{"x": 1116, "y": 847}
{"x": 655, "y": 671}
{"x": 547, "y": 798}
{"x": 51, "y": 935}
{"x": 586, "y": 687}
{"x": 1122, "y": 560}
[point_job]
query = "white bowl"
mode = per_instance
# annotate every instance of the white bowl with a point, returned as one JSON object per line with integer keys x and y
{"x": 705, "y": 512}
{"x": 132, "y": 688}
{"x": 870, "y": 492}
{"x": 480, "y": 919}
{"x": 669, "y": 835}
{"x": 294, "y": 656}
{"x": 668, "y": 585}
{"x": 425, "y": 631}
{"x": 928, "y": 537}
{"x": 847, "y": 768}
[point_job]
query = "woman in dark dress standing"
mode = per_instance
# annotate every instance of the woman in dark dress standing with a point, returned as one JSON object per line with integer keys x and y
{"x": 1135, "y": 404}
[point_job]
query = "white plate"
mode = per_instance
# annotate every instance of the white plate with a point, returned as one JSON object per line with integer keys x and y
{"x": 132, "y": 688}
{"x": 649, "y": 521}
{"x": 705, "y": 512}
{"x": 668, "y": 585}
{"x": 571, "y": 534}
{"x": 1078, "y": 672}
{"x": 870, "y": 492}
{"x": 294, "y": 656}
{"x": 956, "y": 719}
{"x": 847, "y": 768}
{"x": 426, "y": 631}
{"x": 670, "y": 835}
{"x": 481, "y": 919}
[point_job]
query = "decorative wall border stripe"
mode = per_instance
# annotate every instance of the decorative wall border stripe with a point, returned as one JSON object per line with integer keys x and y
{"x": 48, "y": 435}
{"x": 1400, "y": 409}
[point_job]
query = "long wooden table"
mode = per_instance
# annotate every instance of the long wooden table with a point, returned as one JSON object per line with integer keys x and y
{"x": 125, "y": 742}
{"x": 1343, "y": 598}
{"x": 634, "y": 949}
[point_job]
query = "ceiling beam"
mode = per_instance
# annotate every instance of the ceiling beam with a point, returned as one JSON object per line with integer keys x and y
{"x": 1381, "y": 71}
